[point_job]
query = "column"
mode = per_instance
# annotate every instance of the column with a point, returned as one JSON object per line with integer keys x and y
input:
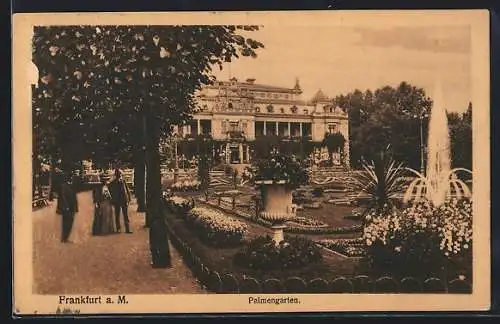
{"x": 277, "y": 129}
{"x": 228, "y": 154}
{"x": 289, "y": 130}
{"x": 241, "y": 152}
{"x": 248, "y": 153}
{"x": 300, "y": 131}
{"x": 199, "y": 126}
{"x": 264, "y": 130}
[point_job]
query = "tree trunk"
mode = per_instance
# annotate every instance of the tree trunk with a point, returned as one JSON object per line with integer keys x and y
{"x": 158, "y": 238}
{"x": 52, "y": 178}
{"x": 139, "y": 182}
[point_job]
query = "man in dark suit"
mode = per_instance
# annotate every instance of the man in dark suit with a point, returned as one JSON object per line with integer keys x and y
{"x": 67, "y": 206}
{"x": 120, "y": 197}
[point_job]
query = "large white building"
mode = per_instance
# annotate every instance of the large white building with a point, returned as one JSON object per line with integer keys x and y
{"x": 232, "y": 110}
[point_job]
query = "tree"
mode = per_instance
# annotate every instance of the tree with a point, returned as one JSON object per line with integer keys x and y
{"x": 333, "y": 142}
{"x": 205, "y": 146}
{"x": 461, "y": 138}
{"x": 386, "y": 116}
{"x": 263, "y": 146}
{"x": 117, "y": 75}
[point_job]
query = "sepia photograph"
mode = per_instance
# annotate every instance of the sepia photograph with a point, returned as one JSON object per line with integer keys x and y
{"x": 251, "y": 162}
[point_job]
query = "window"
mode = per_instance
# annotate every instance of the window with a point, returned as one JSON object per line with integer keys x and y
{"x": 332, "y": 128}
{"x": 287, "y": 96}
{"x": 282, "y": 110}
{"x": 294, "y": 109}
{"x": 306, "y": 111}
{"x": 233, "y": 126}
{"x": 270, "y": 109}
{"x": 230, "y": 106}
{"x": 257, "y": 109}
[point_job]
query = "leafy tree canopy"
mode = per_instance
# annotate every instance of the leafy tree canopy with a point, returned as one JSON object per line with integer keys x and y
{"x": 96, "y": 81}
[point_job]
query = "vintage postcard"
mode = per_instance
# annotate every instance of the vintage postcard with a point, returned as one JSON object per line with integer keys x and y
{"x": 249, "y": 162}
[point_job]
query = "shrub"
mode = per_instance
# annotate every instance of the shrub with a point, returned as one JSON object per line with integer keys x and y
{"x": 215, "y": 228}
{"x": 380, "y": 181}
{"x": 179, "y": 205}
{"x": 421, "y": 239}
{"x": 262, "y": 254}
{"x": 279, "y": 167}
{"x": 186, "y": 185}
{"x": 349, "y": 247}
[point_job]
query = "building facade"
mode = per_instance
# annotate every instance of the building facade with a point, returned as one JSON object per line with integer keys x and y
{"x": 233, "y": 110}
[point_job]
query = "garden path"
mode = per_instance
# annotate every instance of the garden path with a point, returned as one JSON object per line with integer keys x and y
{"x": 115, "y": 264}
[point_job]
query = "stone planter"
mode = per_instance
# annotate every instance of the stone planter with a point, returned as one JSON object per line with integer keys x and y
{"x": 277, "y": 205}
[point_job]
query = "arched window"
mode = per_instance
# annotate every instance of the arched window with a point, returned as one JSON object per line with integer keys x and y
{"x": 294, "y": 109}
{"x": 230, "y": 106}
{"x": 270, "y": 109}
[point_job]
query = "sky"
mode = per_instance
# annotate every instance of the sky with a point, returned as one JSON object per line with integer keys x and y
{"x": 339, "y": 59}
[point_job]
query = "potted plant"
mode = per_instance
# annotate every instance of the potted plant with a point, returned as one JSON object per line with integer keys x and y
{"x": 277, "y": 177}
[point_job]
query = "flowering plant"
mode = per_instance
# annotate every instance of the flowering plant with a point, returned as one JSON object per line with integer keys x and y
{"x": 215, "y": 228}
{"x": 348, "y": 247}
{"x": 279, "y": 168}
{"x": 421, "y": 236}
{"x": 179, "y": 205}
{"x": 305, "y": 222}
{"x": 262, "y": 253}
{"x": 186, "y": 185}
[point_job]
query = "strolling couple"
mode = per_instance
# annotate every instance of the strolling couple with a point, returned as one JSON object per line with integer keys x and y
{"x": 115, "y": 195}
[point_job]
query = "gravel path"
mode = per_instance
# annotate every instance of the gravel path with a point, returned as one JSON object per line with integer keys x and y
{"x": 114, "y": 264}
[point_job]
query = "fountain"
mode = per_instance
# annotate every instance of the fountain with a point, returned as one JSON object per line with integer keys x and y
{"x": 440, "y": 183}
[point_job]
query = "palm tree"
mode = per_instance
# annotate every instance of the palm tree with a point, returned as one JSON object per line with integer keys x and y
{"x": 380, "y": 180}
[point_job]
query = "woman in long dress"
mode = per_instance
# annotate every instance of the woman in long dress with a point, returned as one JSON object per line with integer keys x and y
{"x": 103, "y": 215}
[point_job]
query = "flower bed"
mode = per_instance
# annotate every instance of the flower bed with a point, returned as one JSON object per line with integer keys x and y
{"x": 296, "y": 225}
{"x": 421, "y": 237}
{"x": 356, "y": 214}
{"x": 325, "y": 230}
{"x": 212, "y": 265}
{"x": 305, "y": 222}
{"x": 262, "y": 254}
{"x": 215, "y": 228}
{"x": 179, "y": 205}
{"x": 186, "y": 185}
{"x": 348, "y": 247}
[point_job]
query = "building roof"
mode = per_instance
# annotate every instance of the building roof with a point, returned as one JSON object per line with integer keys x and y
{"x": 320, "y": 96}
{"x": 251, "y": 85}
